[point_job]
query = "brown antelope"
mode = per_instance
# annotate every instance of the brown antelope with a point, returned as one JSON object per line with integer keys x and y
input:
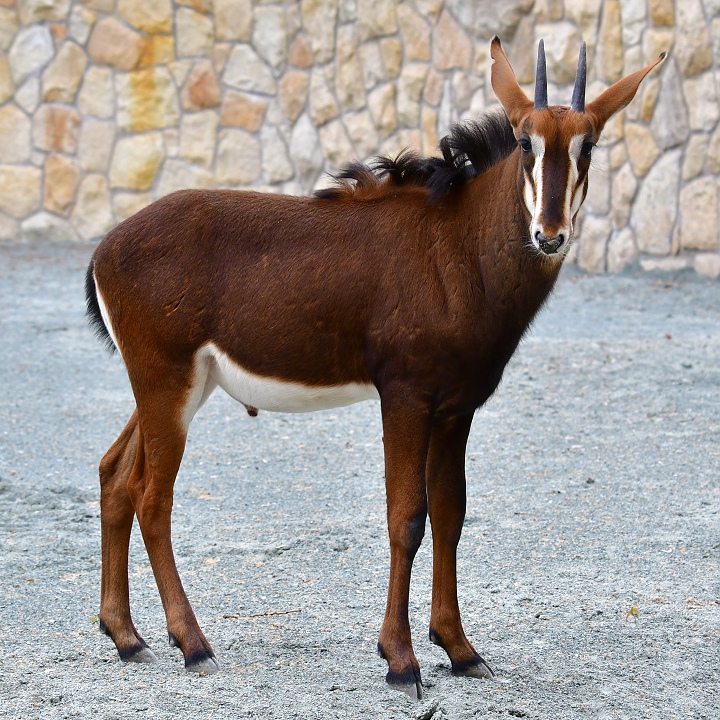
{"x": 411, "y": 281}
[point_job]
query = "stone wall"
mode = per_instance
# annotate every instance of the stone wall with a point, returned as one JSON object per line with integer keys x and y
{"x": 106, "y": 105}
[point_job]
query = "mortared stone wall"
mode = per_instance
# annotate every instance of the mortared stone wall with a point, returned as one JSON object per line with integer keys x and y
{"x": 106, "y": 105}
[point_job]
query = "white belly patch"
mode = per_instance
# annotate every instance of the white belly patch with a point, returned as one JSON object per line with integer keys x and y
{"x": 215, "y": 367}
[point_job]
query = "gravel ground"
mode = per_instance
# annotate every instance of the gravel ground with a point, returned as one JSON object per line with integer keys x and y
{"x": 593, "y": 489}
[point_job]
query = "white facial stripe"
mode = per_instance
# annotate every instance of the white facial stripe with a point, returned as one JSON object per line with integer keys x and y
{"x": 213, "y": 367}
{"x": 533, "y": 201}
{"x": 573, "y": 198}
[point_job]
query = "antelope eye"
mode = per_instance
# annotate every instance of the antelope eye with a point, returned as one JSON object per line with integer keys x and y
{"x": 587, "y": 148}
{"x": 525, "y": 145}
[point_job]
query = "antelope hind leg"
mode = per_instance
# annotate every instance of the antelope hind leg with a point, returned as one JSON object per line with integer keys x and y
{"x": 117, "y": 513}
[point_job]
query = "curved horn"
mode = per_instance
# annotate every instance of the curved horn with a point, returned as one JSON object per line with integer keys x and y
{"x": 541, "y": 96}
{"x": 578, "y": 97}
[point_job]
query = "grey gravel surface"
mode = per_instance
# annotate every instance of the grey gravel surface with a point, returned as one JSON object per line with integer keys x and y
{"x": 593, "y": 491}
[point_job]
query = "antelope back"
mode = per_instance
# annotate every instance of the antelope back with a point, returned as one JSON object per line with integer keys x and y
{"x": 556, "y": 144}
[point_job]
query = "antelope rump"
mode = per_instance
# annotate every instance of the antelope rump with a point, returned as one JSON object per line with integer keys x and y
{"x": 411, "y": 280}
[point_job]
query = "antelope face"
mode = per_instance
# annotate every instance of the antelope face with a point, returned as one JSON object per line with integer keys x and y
{"x": 555, "y": 146}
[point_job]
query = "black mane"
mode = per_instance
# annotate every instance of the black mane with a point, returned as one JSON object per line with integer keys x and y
{"x": 469, "y": 149}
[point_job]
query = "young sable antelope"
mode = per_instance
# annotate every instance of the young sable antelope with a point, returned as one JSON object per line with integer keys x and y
{"x": 411, "y": 281}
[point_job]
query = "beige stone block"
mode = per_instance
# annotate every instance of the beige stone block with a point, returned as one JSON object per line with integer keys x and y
{"x": 97, "y": 93}
{"x": 20, "y": 190}
{"x": 126, "y": 204}
{"x": 622, "y": 250}
{"x": 56, "y": 129}
{"x": 362, "y": 133}
{"x": 665, "y": 264}
{"x": 609, "y": 51}
{"x": 319, "y": 18}
{"x": 146, "y": 100}
{"x": 381, "y": 103}
{"x": 693, "y": 49}
{"x": 336, "y": 145}
{"x": 452, "y": 47}
{"x": 15, "y": 130}
{"x": 376, "y": 18}
{"x": 696, "y": 152}
{"x": 221, "y": 53}
{"x": 428, "y": 125}
{"x": 31, "y": 50}
{"x": 670, "y": 125}
{"x": 233, "y": 20}
{"x": 9, "y": 229}
{"x": 649, "y": 98}
{"x": 7, "y": 89}
{"x": 106, "y": 6}
{"x": 93, "y": 215}
{"x": 587, "y": 14}
{"x": 699, "y": 215}
{"x": 200, "y": 6}
{"x": 242, "y": 111}
{"x": 642, "y": 150}
{"x": 62, "y": 176}
{"x": 522, "y": 54}
{"x": 410, "y": 88}
{"x": 157, "y": 50}
{"x": 373, "y": 67}
{"x": 61, "y": 78}
{"x": 245, "y": 70}
{"x": 198, "y": 135}
{"x": 323, "y": 106}
{"x": 300, "y": 55}
{"x": 618, "y": 155}
{"x": 713, "y": 155}
{"x": 80, "y": 23}
{"x": 202, "y": 89}
{"x": 112, "y": 43}
{"x": 433, "y": 91}
{"x": 238, "y": 159}
{"x": 96, "y": 145}
{"x": 151, "y": 16}
{"x": 45, "y": 227}
{"x": 269, "y": 35}
{"x": 349, "y": 84}
{"x": 656, "y": 205}
{"x": 27, "y": 95}
{"x": 276, "y": 165}
{"x": 415, "y": 33}
{"x": 136, "y": 161}
{"x": 293, "y": 93}
{"x": 306, "y": 152}
{"x": 662, "y": 12}
{"x": 8, "y": 28}
{"x": 702, "y": 101}
{"x": 548, "y": 10}
{"x": 597, "y": 201}
{"x": 707, "y": 265}
{"x": 593, "y": 240}
{"x": 392, "y": 54}
{"x": 624, "y": 187}
{"x": 37, "y": 11}
{"x": 179, "y": 175}
{"x": 195, "y": 33}
{"x": 656, "y": 41}
{"x": 171, "y": 142}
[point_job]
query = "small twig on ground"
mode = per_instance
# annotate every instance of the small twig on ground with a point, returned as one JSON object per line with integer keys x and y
{"x": 237, "y": 616}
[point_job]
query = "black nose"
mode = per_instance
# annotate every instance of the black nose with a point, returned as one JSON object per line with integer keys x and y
{"x": 549, "y": 245}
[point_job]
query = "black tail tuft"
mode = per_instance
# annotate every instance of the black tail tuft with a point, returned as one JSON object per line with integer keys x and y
{"x": 93, "y": 311}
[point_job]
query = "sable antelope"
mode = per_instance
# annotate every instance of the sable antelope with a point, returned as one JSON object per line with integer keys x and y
{"x": 411, "y": 281}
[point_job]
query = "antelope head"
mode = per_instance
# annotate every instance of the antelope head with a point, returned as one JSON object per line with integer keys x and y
{"x": 556, "y": 143}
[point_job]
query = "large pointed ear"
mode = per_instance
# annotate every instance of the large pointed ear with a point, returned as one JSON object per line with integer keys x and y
{"x": 516, "y": 104}
{"x": 617, "y": 96}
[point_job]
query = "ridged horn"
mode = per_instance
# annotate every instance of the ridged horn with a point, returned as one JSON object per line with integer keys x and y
{"x": 541, "y": 95}
{"x": 578, "y": 97}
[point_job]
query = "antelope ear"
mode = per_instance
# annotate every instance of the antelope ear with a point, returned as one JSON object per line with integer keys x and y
{"x": 516, "y": 104}
{"x": 617, "y": 96}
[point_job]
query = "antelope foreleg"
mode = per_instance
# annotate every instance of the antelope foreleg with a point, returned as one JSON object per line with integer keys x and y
{"x": 406, "y": 429}
{"x": 446, "y": 500}
{"x": 116, "y": 518}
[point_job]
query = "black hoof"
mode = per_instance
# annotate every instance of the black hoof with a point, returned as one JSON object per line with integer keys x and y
{"x": 139, "y": 653}
{"x": 476, "y": 668}
{"x": 407, "y": 682}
